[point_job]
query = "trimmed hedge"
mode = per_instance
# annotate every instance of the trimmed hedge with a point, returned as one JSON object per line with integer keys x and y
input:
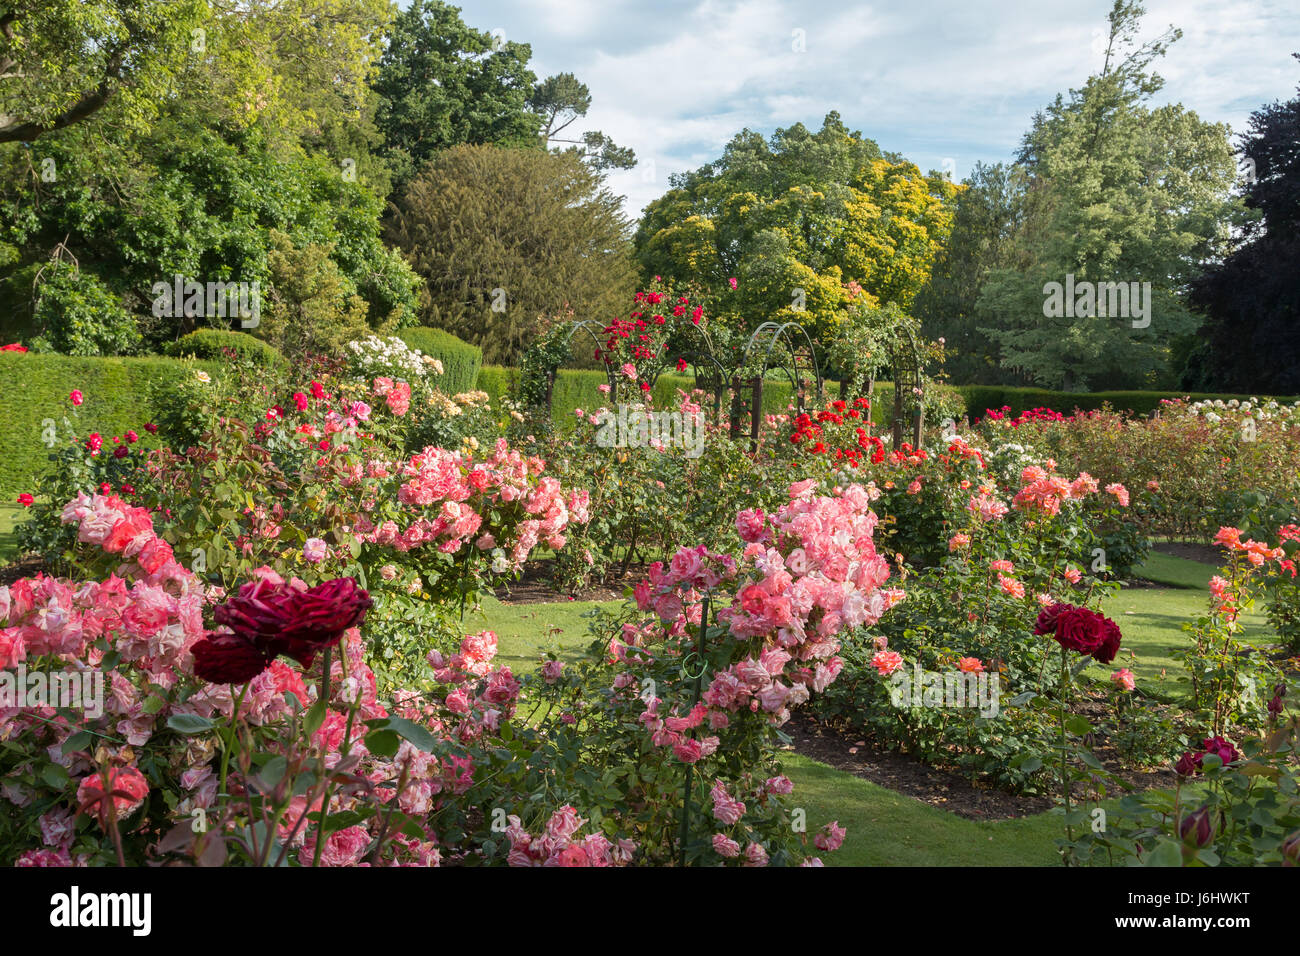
{"x": 209, "y": 344}
{"x": 460, "y": 360}
{"x": 580, "y": 388}
{"x": 980, "y": 398}
{"x": 35, "y": 387}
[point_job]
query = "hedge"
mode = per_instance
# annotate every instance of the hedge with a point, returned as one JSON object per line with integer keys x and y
{"x": 212, "y": 343}
{"x": 580, "y": 388}
{"x": 460, "y": 360}
{"x": 980, "y": 398}
{"x": 34, "y": 387}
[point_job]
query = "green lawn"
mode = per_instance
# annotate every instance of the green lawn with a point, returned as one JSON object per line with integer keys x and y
{"x": 1152, "y": 619}
{"x": 884, "y": 827}
{"x": 1175, "y": 572}
{"x": 887, "y": 828}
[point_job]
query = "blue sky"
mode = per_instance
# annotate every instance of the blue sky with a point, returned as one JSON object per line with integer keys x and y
{"x": 944, "y": 83}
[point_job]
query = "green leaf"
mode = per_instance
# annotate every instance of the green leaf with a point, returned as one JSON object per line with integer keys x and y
{"x": 190, "y": 724}
{"x": 78, "y": 741}
{"x": 1166, "y": 853}
{"x": 418, "y": 737}
{"x": 383, "y": 743}
{"x": 55, "y": 776}
{"x": 315, "y": 717}
{"x": 1078, "y": 725}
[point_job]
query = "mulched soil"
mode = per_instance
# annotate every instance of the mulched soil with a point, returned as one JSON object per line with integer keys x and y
{"x": 1193, "y": 551}
{"x": 907, "y": 775}
{"x": 535, "y": 586}
{"x": 26, "y": 568}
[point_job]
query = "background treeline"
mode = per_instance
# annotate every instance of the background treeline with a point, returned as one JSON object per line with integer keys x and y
{"x": 376, "y": 169}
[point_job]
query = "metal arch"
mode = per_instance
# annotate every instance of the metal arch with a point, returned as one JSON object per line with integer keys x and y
{"x": 916, "y": 384}
{"x": 773, "y": 333}
{"x": 591, "y": 327}
{"x": 689, "y": 357}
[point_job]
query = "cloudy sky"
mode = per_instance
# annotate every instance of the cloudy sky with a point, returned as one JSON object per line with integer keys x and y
{"x": 943, "y": 82}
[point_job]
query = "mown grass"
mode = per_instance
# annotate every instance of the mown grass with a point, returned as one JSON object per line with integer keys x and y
{"x": 884, "y": 828}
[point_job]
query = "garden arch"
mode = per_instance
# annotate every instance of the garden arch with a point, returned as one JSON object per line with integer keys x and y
{"x": 909, "y": 389}
{"x": 786, "y": 347}
{"x": 593, "y": 330}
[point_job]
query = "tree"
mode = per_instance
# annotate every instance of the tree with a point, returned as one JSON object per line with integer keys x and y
{"x": 442, "y": 83}
{"x": 503, "y": 236}
{"x": 559, "y": 101}
{"x": 796, "y": 218}
{"x": 989, "y": 213}
{"x": 236, "y": 147}
{"x": 63, "y": 61}
{"x": 1252, "y": 298}
{"x": 1115, "y": 192}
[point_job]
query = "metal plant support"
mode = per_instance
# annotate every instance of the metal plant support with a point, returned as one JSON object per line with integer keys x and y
{"x": 907, "y": 379}
{"x": 785, "y": 347}
{"x": 594, "y": 331}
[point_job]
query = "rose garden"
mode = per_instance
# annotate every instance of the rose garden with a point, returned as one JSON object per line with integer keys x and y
{"x": 682, "y": 577}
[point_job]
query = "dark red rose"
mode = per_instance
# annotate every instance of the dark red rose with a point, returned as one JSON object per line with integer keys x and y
{"x": 1079, "y": 629}
{"x": 260, "y": 611}
{"x": 1110, "y": 642}
{"x": 299, "y": 623}
{"x": 1221, "y": 749}
{"x": 1197, "y": 828}
{"x": 1291, "y": 849}
{"x": 1188, "y": 764}
{"x": 1047, "y": 617}
{"x": 229, "y": 659}
{"x": 320, "y": 616}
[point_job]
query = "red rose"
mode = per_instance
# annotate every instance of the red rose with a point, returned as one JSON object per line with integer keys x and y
{"x": 228, "y": 659}
{"x": 321, "y": 615}
{"x": 25, "y": 500}
{"x": 1111, "y": 638}
{"x": 281, "y": 619}
{"x": 1187, "y": 764}
{"x": 1221, "y": 749}
{"x": 1080, "y": 629}
{"x": 126, "y": 790}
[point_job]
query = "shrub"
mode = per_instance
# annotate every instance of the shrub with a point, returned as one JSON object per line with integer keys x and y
{"x": 461, "y": 361}
{"x": 37, "y": 387}
{"x": 79, "y": 315}
{"x": 212, "y": 344}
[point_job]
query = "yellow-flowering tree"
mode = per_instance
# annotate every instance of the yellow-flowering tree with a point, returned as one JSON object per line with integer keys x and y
{"x": 793, "y": 219}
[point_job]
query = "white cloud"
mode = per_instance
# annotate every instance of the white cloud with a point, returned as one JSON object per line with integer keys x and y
{"x": 676, "y": 79}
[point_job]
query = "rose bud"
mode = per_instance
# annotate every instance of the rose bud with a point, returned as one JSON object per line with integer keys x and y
{"x": 1197, "y": 828}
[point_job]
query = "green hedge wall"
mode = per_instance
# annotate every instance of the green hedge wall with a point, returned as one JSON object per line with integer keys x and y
{"x": 980, "y": 398}
{"x": 35, "y": 387}
{"x": 460, "y": 360}
{"x": 580, "y": 388}
{"x": 211, "y": 343}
